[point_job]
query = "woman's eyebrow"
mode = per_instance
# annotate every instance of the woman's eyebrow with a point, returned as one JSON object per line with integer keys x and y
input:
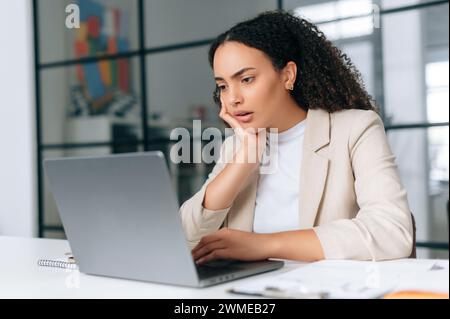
{"x": 235, "y": 75}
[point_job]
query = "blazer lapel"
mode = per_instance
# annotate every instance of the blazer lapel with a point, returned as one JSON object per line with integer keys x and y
{"x": 314, "y": 167}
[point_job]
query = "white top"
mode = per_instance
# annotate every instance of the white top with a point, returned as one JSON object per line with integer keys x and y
{"x": 277, "y": 201}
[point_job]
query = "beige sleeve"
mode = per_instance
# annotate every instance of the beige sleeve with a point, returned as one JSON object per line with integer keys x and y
{"x": 198, "y": 221}
{"x": 382, "y": 228}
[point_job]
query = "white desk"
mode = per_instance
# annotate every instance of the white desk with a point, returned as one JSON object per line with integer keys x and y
{"x": 21, "y": 277}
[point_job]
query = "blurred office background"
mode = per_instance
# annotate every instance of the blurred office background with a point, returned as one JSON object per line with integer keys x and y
{"x": 136, "y": 69}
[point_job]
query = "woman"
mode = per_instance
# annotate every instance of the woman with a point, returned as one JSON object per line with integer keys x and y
{"x": 336, "y": 192}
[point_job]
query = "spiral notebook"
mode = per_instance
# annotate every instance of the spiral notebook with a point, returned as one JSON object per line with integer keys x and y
{"x": 67, "y": 262}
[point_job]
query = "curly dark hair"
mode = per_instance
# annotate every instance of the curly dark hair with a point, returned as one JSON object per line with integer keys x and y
{"x": 326, "y": 77}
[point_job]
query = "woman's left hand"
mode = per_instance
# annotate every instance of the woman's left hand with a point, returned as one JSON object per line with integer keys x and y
{"x": 228, "y": 243}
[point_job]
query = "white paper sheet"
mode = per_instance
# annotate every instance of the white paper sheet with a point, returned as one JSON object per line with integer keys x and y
{"x": 352, "y": 279}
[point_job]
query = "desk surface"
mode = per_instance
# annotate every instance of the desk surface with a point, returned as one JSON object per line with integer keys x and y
{"x": 21, "y": 277}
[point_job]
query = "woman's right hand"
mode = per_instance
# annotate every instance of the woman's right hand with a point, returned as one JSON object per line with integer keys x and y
{"x": 222, "y": 190}
{"x": 253, "y": 141}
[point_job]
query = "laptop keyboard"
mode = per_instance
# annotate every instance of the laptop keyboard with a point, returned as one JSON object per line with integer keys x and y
{"x": 217, "y": 268}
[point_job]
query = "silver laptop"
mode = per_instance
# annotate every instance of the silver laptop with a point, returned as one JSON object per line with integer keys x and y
{"x": 121, "y": 218}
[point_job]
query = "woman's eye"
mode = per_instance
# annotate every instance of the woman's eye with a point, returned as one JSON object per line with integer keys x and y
{"x": 221, "y": 87}
{"x": 247, "y": 80}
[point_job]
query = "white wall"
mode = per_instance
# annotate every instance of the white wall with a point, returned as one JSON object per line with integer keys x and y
{"x": 17, "y": 131}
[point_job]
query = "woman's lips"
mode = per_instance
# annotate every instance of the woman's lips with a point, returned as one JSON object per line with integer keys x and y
{"x": 245, "y": 117}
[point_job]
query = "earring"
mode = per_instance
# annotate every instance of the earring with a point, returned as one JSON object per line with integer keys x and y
{"x": 291, "y": 87}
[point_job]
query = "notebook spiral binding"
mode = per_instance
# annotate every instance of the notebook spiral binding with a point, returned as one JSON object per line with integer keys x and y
{"x": 57, "y": 264}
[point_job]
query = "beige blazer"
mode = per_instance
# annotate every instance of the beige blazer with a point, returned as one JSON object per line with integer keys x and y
{"x": 350, "y": 191}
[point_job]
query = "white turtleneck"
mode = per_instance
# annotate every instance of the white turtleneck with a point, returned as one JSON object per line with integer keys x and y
{"x": 277, "y": 196}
